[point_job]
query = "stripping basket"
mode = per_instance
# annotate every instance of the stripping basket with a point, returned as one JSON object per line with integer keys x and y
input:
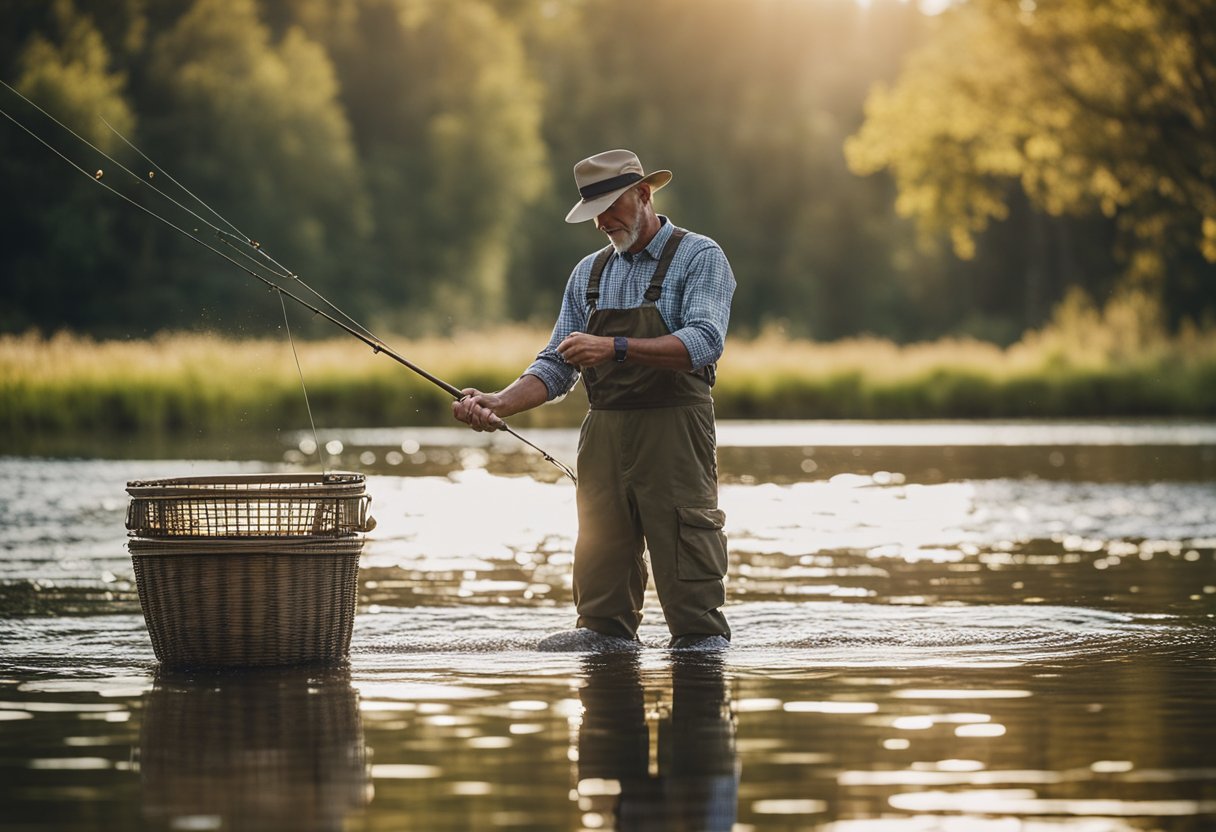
{"x": 248, "y": 570}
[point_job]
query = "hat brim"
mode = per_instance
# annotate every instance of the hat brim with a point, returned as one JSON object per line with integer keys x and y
{"x": 586, "y": 209}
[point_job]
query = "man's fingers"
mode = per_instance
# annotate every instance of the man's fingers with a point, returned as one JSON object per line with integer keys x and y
{"x": 472, "y": 410}
{"x": 483, "y": 418}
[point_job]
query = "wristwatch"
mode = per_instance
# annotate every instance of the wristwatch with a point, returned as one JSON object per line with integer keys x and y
{"x": 620, "y": 343}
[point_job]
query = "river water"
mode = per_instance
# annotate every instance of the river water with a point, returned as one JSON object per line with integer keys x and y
{"x": 958, "y": 627}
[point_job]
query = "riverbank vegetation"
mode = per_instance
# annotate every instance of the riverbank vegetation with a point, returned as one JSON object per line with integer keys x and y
{"x": 1115, "y": 362}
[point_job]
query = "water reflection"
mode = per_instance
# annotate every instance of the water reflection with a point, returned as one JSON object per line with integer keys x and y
{"x": 264, "y": 750}
{"x": 669, "y": 765}
{"x": 939, "y": 629}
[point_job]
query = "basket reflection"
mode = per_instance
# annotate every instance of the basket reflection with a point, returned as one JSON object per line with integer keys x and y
{"x": 262, "y": 750}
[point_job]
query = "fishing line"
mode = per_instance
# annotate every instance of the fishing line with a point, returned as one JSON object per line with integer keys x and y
{"x": 220, "y": 233}
{"x": 307, "y": 406}
{"x": 108, "y": 158}
{"x": 353, "y": 328}
{"x": 279, "y": 269}
{"x": 96, "y": 178}
{"x": 166, "y": 174}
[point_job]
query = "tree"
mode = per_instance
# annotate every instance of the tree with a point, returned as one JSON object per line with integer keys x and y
{"x": 63, "y": 231}
{"x": 447, "y": 120}
{"x": 256, "y": 129}
{"x": 1086, "y": 107}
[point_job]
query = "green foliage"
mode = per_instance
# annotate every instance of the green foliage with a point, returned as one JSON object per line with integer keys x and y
{"x": 411, "y": 158}
{"x": 288, "y": 159}
{"x": 1089, "y": 106}
{"x": 68, "y": 70}
{"x": 478, "y": 162}
{"x": 73, "y": 79}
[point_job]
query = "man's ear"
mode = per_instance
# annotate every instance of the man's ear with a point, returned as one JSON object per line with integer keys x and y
{"x": 644, "y": 193}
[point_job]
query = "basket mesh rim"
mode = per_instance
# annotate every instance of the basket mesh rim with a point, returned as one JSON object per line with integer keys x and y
{"x": 330, "y": 484}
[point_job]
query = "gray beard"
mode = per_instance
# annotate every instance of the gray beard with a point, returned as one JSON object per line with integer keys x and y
{"x": 625, "y": 244}
{"x": 630, "y": 238}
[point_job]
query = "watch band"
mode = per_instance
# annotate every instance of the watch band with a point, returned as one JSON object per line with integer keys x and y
{"x": 620, "y": 344}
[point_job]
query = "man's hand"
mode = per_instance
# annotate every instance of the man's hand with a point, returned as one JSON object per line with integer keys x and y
{"x": 665, "y": 352}
{"x": 478, "y": 410}
{"x": 486, "y": 411}
{"x": 582, "y": 350}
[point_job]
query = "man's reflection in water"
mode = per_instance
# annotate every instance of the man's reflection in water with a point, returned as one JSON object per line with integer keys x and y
{"x": 693, "y": 783}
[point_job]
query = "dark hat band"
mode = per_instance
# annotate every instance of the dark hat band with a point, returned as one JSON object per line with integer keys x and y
{"x": 606, "y": 185}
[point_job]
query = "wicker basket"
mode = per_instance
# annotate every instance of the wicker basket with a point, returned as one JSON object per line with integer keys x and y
{"x": 278, "y": 505}
{"x": 221, "y": 585}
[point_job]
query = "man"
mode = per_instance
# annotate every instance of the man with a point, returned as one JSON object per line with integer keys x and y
{"x": 643, "y": 321}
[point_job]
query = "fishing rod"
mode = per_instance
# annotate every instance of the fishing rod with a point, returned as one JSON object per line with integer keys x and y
{"x": 226, "y": 237}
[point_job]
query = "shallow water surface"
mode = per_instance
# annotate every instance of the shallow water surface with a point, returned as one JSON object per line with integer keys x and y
{"x": 937, "y": 627}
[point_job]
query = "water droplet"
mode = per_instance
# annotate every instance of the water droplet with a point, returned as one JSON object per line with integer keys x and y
{"x": 100, "y": 173}
{"x": 151, "y": 174}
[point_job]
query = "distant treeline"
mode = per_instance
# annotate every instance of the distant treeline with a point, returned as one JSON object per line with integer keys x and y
{"x": 411, "y": 159}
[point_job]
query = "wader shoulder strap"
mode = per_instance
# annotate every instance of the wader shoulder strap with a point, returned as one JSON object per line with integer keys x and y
{"x": 655, "y": 289}
{"x": 593, "y": 282}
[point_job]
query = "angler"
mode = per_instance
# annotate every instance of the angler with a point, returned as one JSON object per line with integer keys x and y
{"x": 643, "y": 321}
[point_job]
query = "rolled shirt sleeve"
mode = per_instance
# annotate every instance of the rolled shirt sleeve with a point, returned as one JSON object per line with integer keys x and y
{"x": 709, "y": 287}
{"x": 559, "y": 377}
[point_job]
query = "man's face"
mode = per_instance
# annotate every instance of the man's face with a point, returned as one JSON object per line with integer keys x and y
{"x": 622, "y": 221}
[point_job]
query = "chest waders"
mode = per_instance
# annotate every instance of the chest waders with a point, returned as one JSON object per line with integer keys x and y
{"x": 648, "y": 480}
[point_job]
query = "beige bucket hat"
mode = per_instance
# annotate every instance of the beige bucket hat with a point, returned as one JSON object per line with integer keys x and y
{"x": 604, "y": 177}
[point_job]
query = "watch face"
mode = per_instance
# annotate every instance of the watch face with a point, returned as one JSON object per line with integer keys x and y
{"x": 620, "y": 345}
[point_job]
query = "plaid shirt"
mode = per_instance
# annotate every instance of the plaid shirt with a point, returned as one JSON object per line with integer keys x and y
{"x": 695, "y": 303}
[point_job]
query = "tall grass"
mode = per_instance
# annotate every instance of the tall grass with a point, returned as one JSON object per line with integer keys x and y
{"x": 1087, "y": 362}
{"x": 194, "y": 382}
{"x": 1117, "y": 361}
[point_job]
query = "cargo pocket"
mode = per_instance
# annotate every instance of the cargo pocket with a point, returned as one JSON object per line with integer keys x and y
{"x": 701, "y": 548}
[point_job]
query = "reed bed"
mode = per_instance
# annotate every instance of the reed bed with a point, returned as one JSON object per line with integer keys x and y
{"x": 1117, "y": 361}
{"x": 1085, "y": 364}
{"x": 202, "y": 382}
